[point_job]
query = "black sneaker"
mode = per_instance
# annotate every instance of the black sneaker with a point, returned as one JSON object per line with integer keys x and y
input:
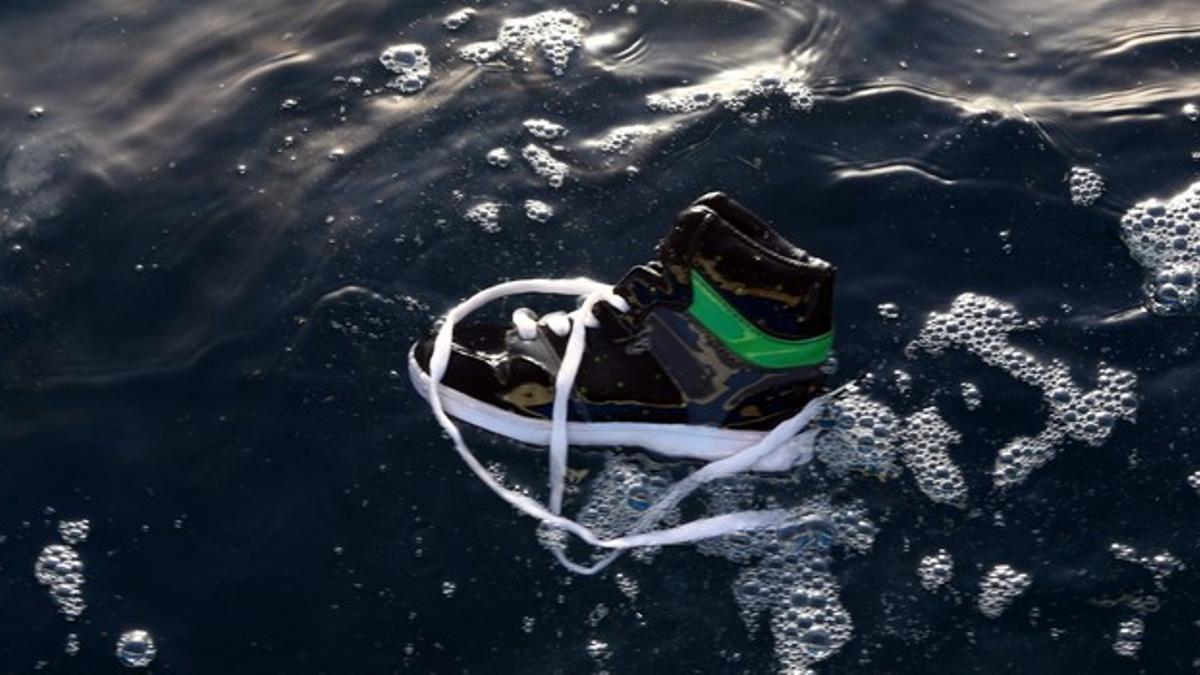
{"x": 697, "y": 354}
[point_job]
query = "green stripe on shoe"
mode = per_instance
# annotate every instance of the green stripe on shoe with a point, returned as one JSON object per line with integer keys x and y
{"x": 748, "y": 341}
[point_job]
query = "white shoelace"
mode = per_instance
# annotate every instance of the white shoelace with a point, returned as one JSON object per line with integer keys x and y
{"x": 641, "y": 534}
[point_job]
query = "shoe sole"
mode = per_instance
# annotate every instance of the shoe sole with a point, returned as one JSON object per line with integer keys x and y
{"x": 675, "y": 441}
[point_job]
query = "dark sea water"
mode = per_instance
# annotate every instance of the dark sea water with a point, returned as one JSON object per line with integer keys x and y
{"x": 220, "y": 231}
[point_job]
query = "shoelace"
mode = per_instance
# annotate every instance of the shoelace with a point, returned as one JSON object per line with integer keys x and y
{"x": 641, "y": 534}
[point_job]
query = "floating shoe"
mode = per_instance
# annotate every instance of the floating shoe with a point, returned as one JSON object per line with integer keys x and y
{"x": 711, "y": 352}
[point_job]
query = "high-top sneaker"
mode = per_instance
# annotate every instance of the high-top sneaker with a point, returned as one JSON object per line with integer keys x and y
{"x": 697, "y": 354}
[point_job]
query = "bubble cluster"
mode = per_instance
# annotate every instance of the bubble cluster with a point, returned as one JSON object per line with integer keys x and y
{"x": 1162, "y": 565}
{"x": 486, "y": 215}
{"x": 888, "y": 311}
{"x": 544, "y": 129}
{"x": 622, "y": 140}
{"x": 1193, "y": 480}
{"x": 924, "y": 441}
{"x": 1086, "y": 186}
{"x": 735, "y": 93}
{"x": 545, "y": 165}
{"x": 1164, "y": 238}
{"x": 858, "y": 435}
{"x": 136, "y": 649}
{"x": 556, "y": 34}
{"x": 792, "y": 582}
{"x": 456, "y": 20}
{"x": 981, "y": 325}
{"x": 1000, "y": 587}
{"x": 618, "y": 497}
{"x": 74, "y": 531}
{"x": 935, "y": 570}
{"x": 972, "y": 398}
{"x": 411, "y": 65}
{"x": 1191, "y": 111}
{"x": 1128, "y": 641}
{"x": 538, "y": 211}
{"x": 71, "y": 645}
{"x": 60, "y": 569}
{"x": 499, "y": 158}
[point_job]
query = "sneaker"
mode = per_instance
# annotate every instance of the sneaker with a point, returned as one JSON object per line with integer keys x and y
{"x": 723, "y": 337}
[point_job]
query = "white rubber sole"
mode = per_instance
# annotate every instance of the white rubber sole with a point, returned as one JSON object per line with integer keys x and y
{"x": 678, "y": 441}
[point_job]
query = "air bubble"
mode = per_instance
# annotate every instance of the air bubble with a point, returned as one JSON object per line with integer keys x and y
{"x": 136, "y": 649}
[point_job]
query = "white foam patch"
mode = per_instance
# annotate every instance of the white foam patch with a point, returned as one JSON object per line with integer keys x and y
{"x": 622, "y": 140}
{"x": 538, "y": 211}
{"x": 1000, "y": 587}
{"x": 859, "y": 435}
{"x": 60, "y": 569}
{"x": 410, "y": 63}
{"x": 499, "y": 158}
{"x": 545, "y": 165}
{"x": 554, "y": 34}
{"x": 924, "y": 441}
{"x": 1128, "y": 641}
{"x": 618, "y": 497}
{"x": 1164, "y": 238}
{"x": 981, "y": 325}
{"x": 544, "y": 129}
{"x": 456, "y": 20}
{"x": 935, "y": 570}
{"x": 1086, "y": 186}
{"x": 486, "y": 215}
{"x": 735, "y": 91}
{"x": 1162, "y": 564}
